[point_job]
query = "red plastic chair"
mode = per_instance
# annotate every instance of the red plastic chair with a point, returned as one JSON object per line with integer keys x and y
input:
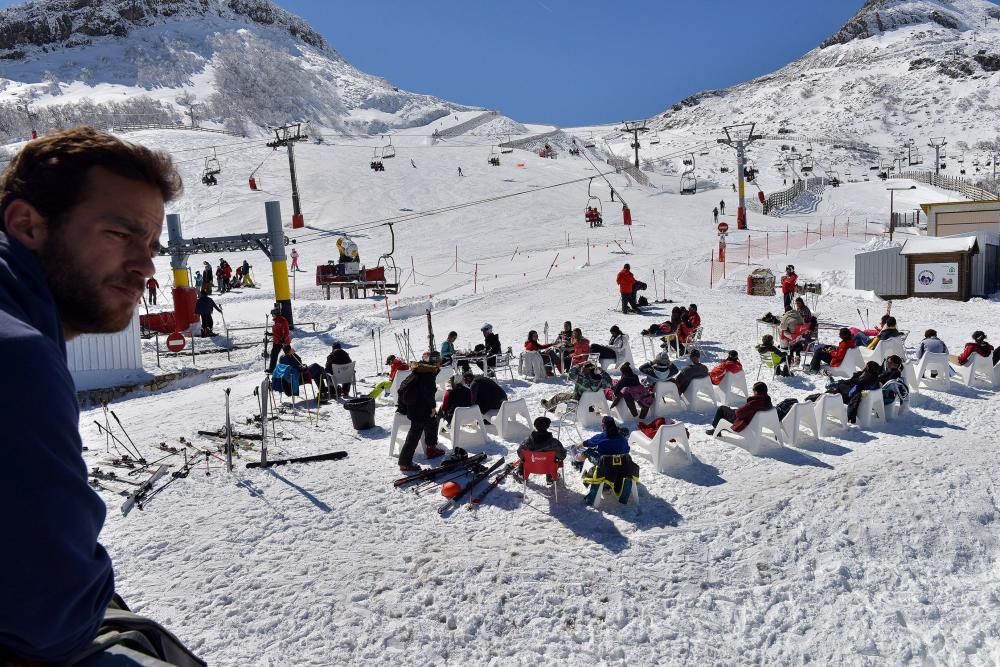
{"x": 541, "y": 463}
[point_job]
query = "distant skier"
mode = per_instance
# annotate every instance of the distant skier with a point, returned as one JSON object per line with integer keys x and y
{"x": 412, "y": 163}
{"x": 722, "y": 207}
{"x": 715, "y": 213}
{"x": 460, "y": 172}
{"x": 295, "y": 260}
{"x": 734, "y": 187}
{"x": 151, "y": 287}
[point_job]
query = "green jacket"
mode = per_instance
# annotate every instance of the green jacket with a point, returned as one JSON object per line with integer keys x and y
{"x": 585, "y": 382}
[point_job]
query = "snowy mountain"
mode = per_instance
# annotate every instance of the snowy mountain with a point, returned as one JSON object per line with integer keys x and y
{"x": 243, "y": 63}
{"x": 898, "y": 69}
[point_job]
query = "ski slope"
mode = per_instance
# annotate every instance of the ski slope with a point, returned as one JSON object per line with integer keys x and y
{"x": 864, "y": 548}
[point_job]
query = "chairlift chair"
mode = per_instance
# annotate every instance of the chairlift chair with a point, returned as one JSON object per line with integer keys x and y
{"x": 654, "y": 138}
{"x": 212, "y": 169}
{"x": 750, "y": 171}
{"x": 808, "y": 163}
{"x": 388, "y": 151}
{"x": 494, "y": 158}
{"x": 506, "y": 149}
{"x": 689, "y": 182}
{"x": 376, "y": 163}
{"x": 594, "y": 213}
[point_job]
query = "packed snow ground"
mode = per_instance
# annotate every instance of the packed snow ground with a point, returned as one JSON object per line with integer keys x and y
{"x": 865, "y": 548}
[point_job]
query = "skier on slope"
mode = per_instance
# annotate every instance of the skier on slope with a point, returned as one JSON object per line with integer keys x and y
{"x": 205, "y": 306}
{"x": 151, "y": 287}
{"x": 61, "y": 275}
{"x": 295, "y": 260}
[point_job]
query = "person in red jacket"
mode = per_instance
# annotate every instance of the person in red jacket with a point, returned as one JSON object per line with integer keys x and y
{"x": 730, "y": 365}
{"x": 581, "y": 348}
{"x": 693, "y": 318}
{"x": 151, "y": 287}
{"x": 552, "y": 358}
{"x": 395, "y": 364}
{"x": 280, "y": 335}
{"x": 626, "y": 287}
{"x": 741, "y": 417}
{"x": 977, "y": 346}
{"x": 788, "y": 286}
{"x": 833, "y": 355}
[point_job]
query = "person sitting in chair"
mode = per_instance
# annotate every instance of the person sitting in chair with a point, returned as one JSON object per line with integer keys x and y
{"x": 491, "y": 348}
{"x": 484, "y": 392}
{"x": 338, "y": 357}
{"x": 660, "y": 369}
{"x": 550, "y": 357}
{"x": 694, "y": 370}
{"x": 585, "y": 377}
{"x": 778, "y": 356}
{"x": 540, "y": 440}
{"x": 740, "y": 418}
{"x": 833, "y": 355}
{"x": 977, "y": 346}
{"x": 458, "y": 395}
{"x": 731, "y": 364}
{"x": 615, "y": 346}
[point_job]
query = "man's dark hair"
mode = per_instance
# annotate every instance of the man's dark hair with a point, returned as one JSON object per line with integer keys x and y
{"x": 51, "y": 172}
{"x": 759, "y": 388}
{"x": 891, "y": 322}
{"x": 930, "y": 333}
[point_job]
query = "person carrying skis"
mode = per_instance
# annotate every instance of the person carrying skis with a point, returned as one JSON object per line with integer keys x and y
{"x": 280, "y": 335}
{"x": 205, "y": 306}
{"x": 151, "y": 287}
{"x": 626, "y": 287}
{"x": 788, "y": 286}
{"x": 62, "y": 274}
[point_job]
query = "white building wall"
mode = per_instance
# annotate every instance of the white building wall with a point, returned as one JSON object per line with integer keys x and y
{"x": 97, "y": 361}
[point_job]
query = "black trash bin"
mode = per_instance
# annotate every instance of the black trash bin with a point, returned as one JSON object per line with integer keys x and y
{"x": 362, "y": 411}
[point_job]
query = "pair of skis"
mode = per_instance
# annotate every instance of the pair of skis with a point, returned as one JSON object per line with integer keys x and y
{"x": 145, "y": 487}
{"x": 452, "y": 503}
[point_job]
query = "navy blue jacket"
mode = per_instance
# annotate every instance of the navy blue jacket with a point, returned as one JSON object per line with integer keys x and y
{"x": 607, "y": 445}
{"x": 55, "y": 579}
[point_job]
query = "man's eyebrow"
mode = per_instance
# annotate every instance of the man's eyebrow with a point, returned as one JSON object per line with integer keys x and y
{"x": 126, "y": 224}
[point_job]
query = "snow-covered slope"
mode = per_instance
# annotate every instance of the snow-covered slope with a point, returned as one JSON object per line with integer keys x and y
{"x": 247, "y": 62}
{"x": 899, "y": 69}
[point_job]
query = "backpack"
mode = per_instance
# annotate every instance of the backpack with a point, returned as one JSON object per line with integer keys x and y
{"x": 639, "y": 285}
{"x": 785, "y": 407}
{"x": 642, "y": 301}
{"x": 405, "y": 387}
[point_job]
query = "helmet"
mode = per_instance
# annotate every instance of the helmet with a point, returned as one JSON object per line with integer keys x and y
{"x": 450, "y": 489}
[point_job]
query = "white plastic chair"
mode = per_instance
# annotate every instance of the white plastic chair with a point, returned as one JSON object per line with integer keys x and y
{"x": 910, "y": 377}
{"x": 830, "y": 411}
{"x": 936, "y": 362}
{"x": 733, "y": 388}
{"x": 592, "y": 418}
{"x": 400, "y": 428}
{"x": 623, "y": 357}
{"x": 342, "y": 374}
{"x": 853, "y": 361}
{"x": 885, "y": 348}
{"x": 658, "y": 449}
{"x": 531, "y": 366}
{"x": 390, "y": 393}
{"x": 752, "y": 437}
{"x": 976, "y": 367}
{"x": 666, "y": 399}
{"x": 700, "y": 390}
{"x": 996, "y": 374}
{"x": 871, "y": 410}
{"x": 467, "y": 428}
{"x": 802, "y": 416}
{"x": 507, "y": 424}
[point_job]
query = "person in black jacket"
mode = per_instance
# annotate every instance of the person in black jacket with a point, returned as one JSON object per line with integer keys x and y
{"x": 415, "y": 398}
{"x": 695, "y": 369}
{"x": 490, "y": 347}
{"x": 540, "y": 440}
{"x": 486, "y": 393}
{"x": 628, "y": 379}
{"x": 323, "y": 375}
{"x": 458, "y": 396}
{"x": 204, "y": 307}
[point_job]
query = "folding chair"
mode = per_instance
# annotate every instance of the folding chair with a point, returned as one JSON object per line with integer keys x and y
{"x": 769, "y": 360}
{"x": 342, "y": 374}
{"x": 502, "y": 364}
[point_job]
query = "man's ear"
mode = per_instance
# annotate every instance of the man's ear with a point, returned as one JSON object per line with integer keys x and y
{"x": 23, "y": 222}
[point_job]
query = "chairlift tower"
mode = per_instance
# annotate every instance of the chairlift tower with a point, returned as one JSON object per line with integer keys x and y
{"x": 286, "y": 136}
{"x": 635, "y": 127}
{"x": 937, "y": 143}
{"x": 739, "y": 137}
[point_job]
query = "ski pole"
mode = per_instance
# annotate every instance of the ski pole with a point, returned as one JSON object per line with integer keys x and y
{"x": 375, "y": 354}
{"x": 111, "y": 438}
{"x": 229, "y": 435}
{"x": 138, "y": 455}
{"x": 149, "y": 465}
{"x": 861, "y": 319}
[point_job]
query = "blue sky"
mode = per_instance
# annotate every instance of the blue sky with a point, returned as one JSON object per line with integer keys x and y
{"x": 570, "y": 62}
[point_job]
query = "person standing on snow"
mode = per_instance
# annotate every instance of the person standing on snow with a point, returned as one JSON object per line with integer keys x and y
{"x": 715, "y": 214}
{"x": 788, "y": 286}
{"x": 295, "y": 259}
{"x": 81, "y": 214}
{"x": 204, "y": 307}
{"x": 280, "y": 335}
{"x": 722, "y": 207}
{"x": 626, "y": 287}
{"x": 151, "y": 287}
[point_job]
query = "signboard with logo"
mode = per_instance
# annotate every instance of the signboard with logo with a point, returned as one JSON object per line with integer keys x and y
{"x": 935, "y": 278}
